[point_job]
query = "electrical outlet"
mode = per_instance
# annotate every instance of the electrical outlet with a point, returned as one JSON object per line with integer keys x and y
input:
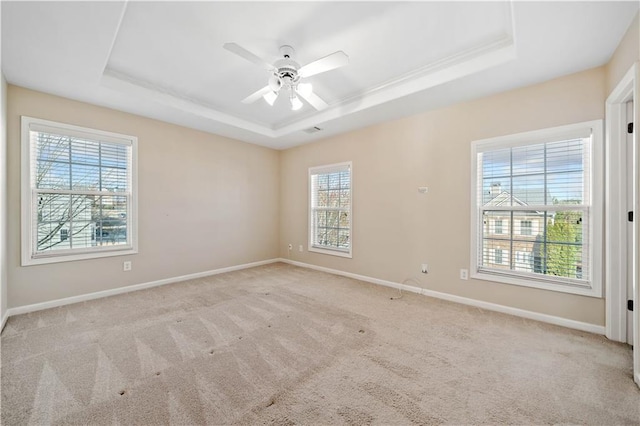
{"x": 464, "y": 274}
{"x": 425, "y": 268}
{"x": 300, "y": 249}
{"x": 290, "y": 246}
{"x": 126, "y": 266}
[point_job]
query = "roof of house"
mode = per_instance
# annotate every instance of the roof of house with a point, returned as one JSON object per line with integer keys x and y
{"x": 520, "y": 198}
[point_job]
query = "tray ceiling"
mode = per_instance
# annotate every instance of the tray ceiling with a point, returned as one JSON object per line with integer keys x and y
{"x": 165, "y": 60}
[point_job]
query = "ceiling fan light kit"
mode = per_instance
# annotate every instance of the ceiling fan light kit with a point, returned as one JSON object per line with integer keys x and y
{"x": 274, "y": 83}
{"x": 270, "y": 97}
{"x": 296, "y": 103}
{"x": 287, "y": 73}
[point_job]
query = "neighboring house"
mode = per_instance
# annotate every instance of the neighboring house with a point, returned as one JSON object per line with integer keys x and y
{"x": 514, "y": 240}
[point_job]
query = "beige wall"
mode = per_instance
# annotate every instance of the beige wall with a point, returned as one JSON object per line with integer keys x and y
{"x": 627, "y": 52}
{"x": 395, "y": 228}
{"x": 205, "y": 202}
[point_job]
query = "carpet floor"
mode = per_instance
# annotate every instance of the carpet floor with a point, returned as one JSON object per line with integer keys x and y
{"x": 284, "y": 345}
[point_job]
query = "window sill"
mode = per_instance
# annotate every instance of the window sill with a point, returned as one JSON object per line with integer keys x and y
{"x": 57, "y": 258}
{"x": 338, "y": 253}
{"x": 593, "y": 291}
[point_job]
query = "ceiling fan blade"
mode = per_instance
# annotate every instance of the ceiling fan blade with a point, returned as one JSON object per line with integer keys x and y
{"x": 314, "y": 100}
{"x": 256, "y": 95}
{"x": 241, "y": 51}
{"x": 328, "y": 63}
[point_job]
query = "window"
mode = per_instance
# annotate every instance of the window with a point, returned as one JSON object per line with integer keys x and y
{"x": 78, "y": 193}
{"x": 498, "y": 255}
{"x": 523, "y": 261}
{"x": 525, "y": 227}
{"x": 330, "y": 209}
{"x": 546, "y": 186}
{"x": 498, "y": 226}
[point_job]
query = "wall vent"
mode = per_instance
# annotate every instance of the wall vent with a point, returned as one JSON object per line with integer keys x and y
{"x": 313, "y": 129}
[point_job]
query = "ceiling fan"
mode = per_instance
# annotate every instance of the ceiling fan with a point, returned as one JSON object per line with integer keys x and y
{"x": 286, "y": 74}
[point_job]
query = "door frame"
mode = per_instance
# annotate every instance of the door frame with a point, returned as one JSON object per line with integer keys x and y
{"x": 615, "y": 213}
{"x": 636, "y": 227}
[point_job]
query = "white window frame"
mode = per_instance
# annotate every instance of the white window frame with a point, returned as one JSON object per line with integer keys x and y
{"x": 593, "y": 287}
{"x": 326, "y": 250}
{"x": 29, "y": 256}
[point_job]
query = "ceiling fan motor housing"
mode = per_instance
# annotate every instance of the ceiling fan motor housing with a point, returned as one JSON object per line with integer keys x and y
{"x": 286, "y": 68}
{"x": 287, "y": 51}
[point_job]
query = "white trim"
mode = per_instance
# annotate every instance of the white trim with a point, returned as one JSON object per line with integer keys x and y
{"x": 4, "y": 321}
{"x": 330, "y": 168}
{"x": 592, "y": 288}
{"x": 550, "y": 319}
{"x": 636, "y": 228}
{"x": 615, "y": 210}
{"x": 551, "y": 134}
{"x": 135, "y": 287}
{"x": 624, "y": 87}
{"x": 28, "y": 257}
{"x": 83, "y": 255}
{"x": 335, "y": 252}
{"x": 529, "y": 279}
{"x": 564, "y": 322}
{"x": 491, "y": 51}
{"x": 115, "y": 34}
{"x": 145, "y": 90}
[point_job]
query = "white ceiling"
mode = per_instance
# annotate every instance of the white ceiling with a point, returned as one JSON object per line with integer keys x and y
{"x": 165, "y": 60}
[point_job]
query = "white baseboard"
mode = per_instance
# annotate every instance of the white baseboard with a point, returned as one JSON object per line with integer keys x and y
{"x": 577, "y": 325}
{"x": 5, "y": 317}
{"x": 445, "y": 296}
{"x": 99, "y": 294}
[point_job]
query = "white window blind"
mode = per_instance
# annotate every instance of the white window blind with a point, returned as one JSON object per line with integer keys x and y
{"x": 330, "y": 209}
{"x": 78, "y": 191}
{"x": 540, "y": 185}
